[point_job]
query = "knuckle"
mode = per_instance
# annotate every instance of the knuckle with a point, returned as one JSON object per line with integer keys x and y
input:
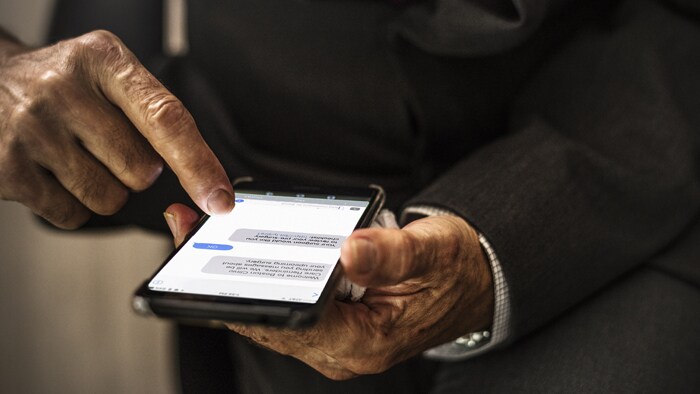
{"x": 136, "y": 164}
{"x": 49, "y": 86}
{"x": 12, "y": 182}
{"x": 103, "y": 36}
{"x": 112, "y": 203}
{"x": 129, "y": 157}
{"x": 411, "y": 253}
{"x": 66, "y": 215}
{"x": 100, "y": 197}
{"x": 167, "y": 115}
{"x": 96, "y": 46}
{"x": 338, "y": 375}
{"x": 41, "y": 104}
{"x": 17, "y": 175}
{"x": 145, "y": 174}
{"x": 369, "y": 366}
{"x": 11, "y": 147}
{"x": 101, "y": 41}
{"x": 51, "y": 82}
{"x": 26, "y": 113}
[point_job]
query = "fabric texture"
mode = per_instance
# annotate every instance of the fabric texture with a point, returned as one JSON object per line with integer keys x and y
{"x": 601, "y": 169}
{"x": 472, "y": 28}
{"x": 626, "y": 339}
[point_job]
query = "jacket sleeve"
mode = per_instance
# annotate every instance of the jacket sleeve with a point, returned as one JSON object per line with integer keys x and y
{"x": 599, "y": 170}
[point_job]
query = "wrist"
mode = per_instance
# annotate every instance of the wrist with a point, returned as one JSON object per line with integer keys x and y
{"x": 487, "y": 295}
{"x": 478, "y": 276}
{"x": 473, "y": 343}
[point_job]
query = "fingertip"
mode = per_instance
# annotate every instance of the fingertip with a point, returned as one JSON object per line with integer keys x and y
{"x": 74, "y": 222}
{"x": 180, "y": 219}
{"x": 382, "y": 257}
{"x": 172, "y": 225}
{"x": 358, "y": 256}
{"x": 220, "y": 202}
{"x": 346, "y": 252}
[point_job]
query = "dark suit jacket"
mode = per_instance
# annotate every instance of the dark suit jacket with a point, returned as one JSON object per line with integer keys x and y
{"x": 566, "y": 132}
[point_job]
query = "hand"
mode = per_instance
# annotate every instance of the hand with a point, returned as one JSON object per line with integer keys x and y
{"x": 429, "y": 283}
{"x": 82, "y": 122}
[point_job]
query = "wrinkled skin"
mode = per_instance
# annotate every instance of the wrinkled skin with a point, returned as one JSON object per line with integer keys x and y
{"x": 82, "y": 123}
{"x": 429, "y": 283}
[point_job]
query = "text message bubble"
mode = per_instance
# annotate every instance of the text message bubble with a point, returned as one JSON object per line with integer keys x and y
{"x": 327, "y": 241}
{"x": 263, "y": 268}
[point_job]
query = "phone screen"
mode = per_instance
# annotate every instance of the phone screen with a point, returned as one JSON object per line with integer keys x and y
{"x": 272, "y": 246}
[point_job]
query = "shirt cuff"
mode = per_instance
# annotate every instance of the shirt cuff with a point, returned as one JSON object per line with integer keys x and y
{"x": 472, "y": 344}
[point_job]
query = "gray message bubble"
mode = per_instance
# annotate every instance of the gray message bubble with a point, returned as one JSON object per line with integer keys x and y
{"x": 263, "y": 268}
{"x": 326, "y": 241}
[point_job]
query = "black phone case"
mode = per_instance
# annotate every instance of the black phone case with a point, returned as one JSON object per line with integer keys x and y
{"x": 272, "y": 313}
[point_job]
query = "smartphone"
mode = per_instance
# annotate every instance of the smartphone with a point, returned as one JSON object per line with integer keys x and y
{"x": 273, "y": 260}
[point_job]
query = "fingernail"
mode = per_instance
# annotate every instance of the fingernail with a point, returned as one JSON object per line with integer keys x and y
{"x": 170, "y": 219}
{"x": 363, "y": 255}
{"x": 220, "y": 202}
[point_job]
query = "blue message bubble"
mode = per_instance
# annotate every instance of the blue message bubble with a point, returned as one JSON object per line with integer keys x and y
{"x": 212, "y": 246}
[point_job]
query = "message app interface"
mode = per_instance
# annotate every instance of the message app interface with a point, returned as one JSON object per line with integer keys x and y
{"x": 271, "y": 247}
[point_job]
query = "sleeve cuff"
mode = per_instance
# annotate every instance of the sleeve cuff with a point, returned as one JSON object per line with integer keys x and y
{"x": 471, "y": 344}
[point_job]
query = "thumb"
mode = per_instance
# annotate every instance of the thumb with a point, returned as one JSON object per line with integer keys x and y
{"x": 385, "y": 257}
{"x": 181, "y": 220}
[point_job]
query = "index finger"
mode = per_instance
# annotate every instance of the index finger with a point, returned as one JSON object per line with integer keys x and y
{"x": 163, "y": 120}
